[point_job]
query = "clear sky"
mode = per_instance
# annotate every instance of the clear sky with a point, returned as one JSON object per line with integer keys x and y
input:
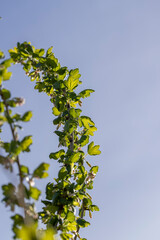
{"x": 116, "y": 46}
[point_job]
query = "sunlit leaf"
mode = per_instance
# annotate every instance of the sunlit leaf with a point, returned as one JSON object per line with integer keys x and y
{"x": 93, "y": 149}
{"x": 94, "y": 169}
{"x": 75, "y": 157}
{"x": 55, "y": 111}
{"x": 57, "y": 155}
{"x": 26, "y": 142}
{"x": 40, "y": 171}
{"x": 27, "y": 116}
{"x": 35, "y": 193}
{"x": 86, "y": 93}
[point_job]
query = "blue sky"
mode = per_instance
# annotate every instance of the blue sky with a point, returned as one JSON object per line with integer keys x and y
{"x": 116, "y": 46}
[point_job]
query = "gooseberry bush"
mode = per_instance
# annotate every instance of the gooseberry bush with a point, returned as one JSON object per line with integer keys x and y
{"x": 67, "y": 198}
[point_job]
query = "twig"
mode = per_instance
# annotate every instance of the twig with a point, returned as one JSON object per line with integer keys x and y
{"x": 21, "y": 198}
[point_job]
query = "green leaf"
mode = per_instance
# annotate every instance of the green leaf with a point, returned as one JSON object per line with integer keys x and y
{"x": 82, "y": 223}
{"x": 1, "y": 107}
{"x": 41, "y": 52}
{"x": 75, "y": 73}
{"x": 70, "y": 125}
{"x": 5, "y": 93}
{"x": 94, "y": 169}
{"x": 25, "y": 143}
{"x": 86, "y": 93}
{"x": 57, "y": 155}
{"x": 93, "y": 150}
{"x": 57, "y": 120}
{"x": 66, "y": 236}
{"x": 55, "y": 111}
{"x": 1, "y": 80}
{"x": 40, "y": 171}
{"x": 7, "y": 76}
{"x": 18, "y": 219}
{"x": 75, "y": 157}
{"x": 8, "y": 189}
{"x": 94, "y": 208}
{"x": 24, "y": 169}
{"x": 10, "y": 198}
{"x": 74, "y": 113}
{"x": 1, "y": 54}
{"x": 59, "y": 133}
{"x": 27, "y": 116}
{"x": 17, "y": 222}
{"x": 91, "y": 130}
{"x": 35, "y": 193}
{"x": 31, "y": 232}
{"x": 62, "y": 173}
{"x": 12, "y": 103}
{"x": 16, "y": 117}
{"x": 49, "y": 191}
{"x": 13, "y": 147}
{"x": 71, "y": 226}
{"x": 52, "y": 62}
{"x": 49, "y": 51}
{"x": 73, "y": 79}
{"x": 27, "y": 232}
{"x": 70, "y": 216}
{"x": 86, "y": 121}
{"x": 83, "y": 140}
{"x": 90, "y": 185}
{"x": 7, "y": 63}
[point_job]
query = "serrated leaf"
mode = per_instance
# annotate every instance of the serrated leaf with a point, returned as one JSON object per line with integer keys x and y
{"x": 73, "y": 79}
{"x": 93, "y": 150}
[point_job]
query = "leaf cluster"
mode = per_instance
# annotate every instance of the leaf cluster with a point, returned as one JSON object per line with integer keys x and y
{"x": 67, "y": 198}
